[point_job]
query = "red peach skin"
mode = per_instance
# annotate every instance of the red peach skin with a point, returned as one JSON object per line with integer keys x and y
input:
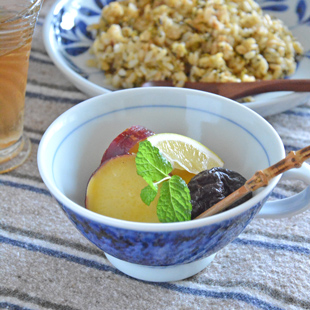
{"x": 125, "y": 141}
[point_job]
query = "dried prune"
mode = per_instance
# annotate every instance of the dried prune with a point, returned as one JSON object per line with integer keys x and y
{"x": 210, "y": 186}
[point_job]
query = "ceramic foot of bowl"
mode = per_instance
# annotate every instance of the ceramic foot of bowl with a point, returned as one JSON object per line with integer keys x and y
{"x": 160, "y": 274}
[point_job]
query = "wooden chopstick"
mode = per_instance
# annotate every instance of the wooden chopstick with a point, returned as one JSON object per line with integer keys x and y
{"x": 259, "y": 179}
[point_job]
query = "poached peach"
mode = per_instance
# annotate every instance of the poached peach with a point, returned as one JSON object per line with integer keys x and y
{"x": 124, "y": 143}
{"x": 114, "y": 190}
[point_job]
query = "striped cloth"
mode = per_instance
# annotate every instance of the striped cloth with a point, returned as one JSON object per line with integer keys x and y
{"x": 46, "y": 264}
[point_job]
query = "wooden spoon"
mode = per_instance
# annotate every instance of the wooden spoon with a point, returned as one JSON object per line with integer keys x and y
{"x": 260, "y": 179}
{"x": 243, "y": 89}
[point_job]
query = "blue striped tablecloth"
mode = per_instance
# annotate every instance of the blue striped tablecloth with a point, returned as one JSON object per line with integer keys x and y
{"x": 46, "y": 264}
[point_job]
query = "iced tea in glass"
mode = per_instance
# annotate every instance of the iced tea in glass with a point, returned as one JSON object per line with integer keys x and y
{"x": 17, "y": 22}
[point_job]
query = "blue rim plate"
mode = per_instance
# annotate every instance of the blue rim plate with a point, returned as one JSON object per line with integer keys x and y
{"x": 67, "y": 42}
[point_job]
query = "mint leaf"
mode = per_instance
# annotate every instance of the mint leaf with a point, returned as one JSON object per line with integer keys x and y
{"x": 148, "y": 194}
{"x": 151, "y": 164}
{"x": 174, "y": 201}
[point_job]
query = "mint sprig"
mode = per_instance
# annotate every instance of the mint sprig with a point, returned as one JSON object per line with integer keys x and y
{"x": 174, "y": 200}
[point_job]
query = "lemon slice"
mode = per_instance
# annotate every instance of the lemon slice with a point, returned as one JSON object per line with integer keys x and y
{"x": 185, "y": 153}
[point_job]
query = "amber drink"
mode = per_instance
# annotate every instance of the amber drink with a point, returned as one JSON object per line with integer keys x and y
{"x": 17, "y": 22}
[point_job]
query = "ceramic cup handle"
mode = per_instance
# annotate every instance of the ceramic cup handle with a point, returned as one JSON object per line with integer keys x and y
{"x": 292, "y": 205}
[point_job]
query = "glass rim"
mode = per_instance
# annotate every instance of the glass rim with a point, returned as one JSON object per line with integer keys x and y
{"x": 22, "y": 12}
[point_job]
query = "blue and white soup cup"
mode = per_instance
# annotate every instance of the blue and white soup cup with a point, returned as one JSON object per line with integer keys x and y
{"x": 72, "y": 147}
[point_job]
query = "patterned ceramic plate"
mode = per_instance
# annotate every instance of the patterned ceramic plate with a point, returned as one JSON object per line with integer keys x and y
{"x": 67, "y": 41}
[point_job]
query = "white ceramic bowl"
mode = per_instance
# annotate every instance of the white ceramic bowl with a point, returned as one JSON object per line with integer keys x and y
{"x": 67, "y": 41}
{"x": 72, "y": 147}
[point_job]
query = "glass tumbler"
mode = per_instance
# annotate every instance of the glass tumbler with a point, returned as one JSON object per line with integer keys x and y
{"x": 17, "y": 23}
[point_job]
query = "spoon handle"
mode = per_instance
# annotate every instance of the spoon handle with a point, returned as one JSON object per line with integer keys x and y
{"x": 292, "y": 160}
{"x": 259, "y": 87}
{"x": 238, "y": 90}
{"x": 259, "y": 179}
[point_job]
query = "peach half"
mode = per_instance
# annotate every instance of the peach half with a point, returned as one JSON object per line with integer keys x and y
{"x": 114, "y": 190}
{"x": 126, "y": 142}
